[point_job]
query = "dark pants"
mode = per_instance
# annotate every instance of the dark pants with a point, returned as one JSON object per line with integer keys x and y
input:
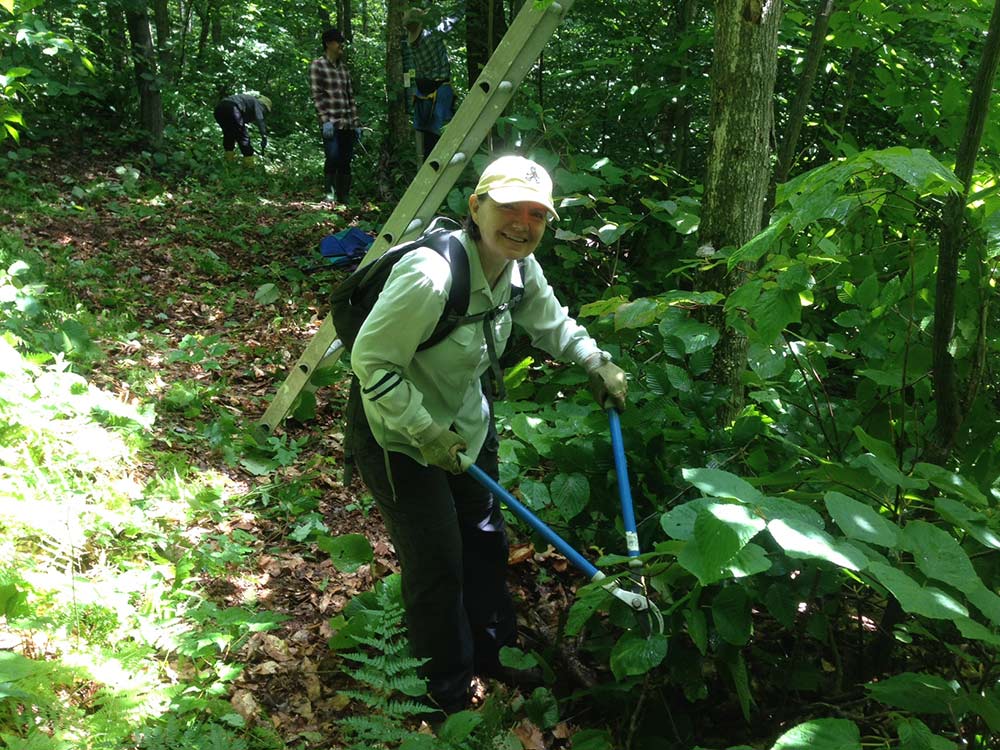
{"x": 339, "y": 151}
{"x": 451, "y": 542}
{"x": 234, "y": 130}
{"x": 432, "y": 111}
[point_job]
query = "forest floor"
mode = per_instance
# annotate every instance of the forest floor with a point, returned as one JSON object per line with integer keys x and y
{"x": 190, "y": 265}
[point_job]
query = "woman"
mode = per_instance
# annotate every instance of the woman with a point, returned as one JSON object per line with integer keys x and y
{"x": 424, "y": 407}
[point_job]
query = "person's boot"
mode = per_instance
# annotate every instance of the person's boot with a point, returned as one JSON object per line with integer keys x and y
{"x": 328, "y": 185}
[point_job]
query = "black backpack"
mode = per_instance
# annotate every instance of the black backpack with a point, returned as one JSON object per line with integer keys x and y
{"x": 355, "y": 296}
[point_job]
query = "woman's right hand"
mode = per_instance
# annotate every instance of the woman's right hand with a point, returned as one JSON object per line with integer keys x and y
{"x": 443, "y": 451}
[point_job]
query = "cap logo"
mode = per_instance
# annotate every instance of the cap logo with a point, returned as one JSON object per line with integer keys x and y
{"x": 532, "y": 176}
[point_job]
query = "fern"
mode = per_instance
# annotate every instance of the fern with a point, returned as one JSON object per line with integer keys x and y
{"x": 386, "y": 671}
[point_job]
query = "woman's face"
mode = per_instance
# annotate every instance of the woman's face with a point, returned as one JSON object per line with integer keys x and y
{"x": 510, "y": 231}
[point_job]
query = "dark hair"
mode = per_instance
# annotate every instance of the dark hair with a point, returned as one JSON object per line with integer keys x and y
{"x": 469, "y": 224}
{"x": 332, "y": 35}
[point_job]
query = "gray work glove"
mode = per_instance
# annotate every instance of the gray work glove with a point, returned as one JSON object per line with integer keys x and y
{"x": 442, "y": 451}
{"x": 329, "y": 131}
{"x": 607, "y": 382}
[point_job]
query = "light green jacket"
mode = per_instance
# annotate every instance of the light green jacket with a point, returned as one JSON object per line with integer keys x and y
{"x": 406, "y": 392}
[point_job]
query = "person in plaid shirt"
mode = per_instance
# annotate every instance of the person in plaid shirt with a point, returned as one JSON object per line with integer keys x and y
{"x": 428, "y": 76}
{"x": 330, "y": 80}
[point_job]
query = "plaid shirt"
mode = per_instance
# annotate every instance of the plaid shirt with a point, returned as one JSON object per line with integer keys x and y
{"x": 332, "y": 94}
{"x": 427, "y": 55}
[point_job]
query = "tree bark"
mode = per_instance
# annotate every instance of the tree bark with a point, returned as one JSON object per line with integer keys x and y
{"x": 485, "y": 25}
{"x": 161, "y": 20}
{"x": 797, "y": 110}
{"x": 950, "y": 410}
{"x": 146, "y": 77}
{"x": 345, "y": 18}
{"x": 675, "y": 115}
{"x": 739, "y": 163}
{"x": 395, "y": 149}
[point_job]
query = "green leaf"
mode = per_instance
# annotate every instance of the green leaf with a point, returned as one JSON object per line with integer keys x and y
{"x": 887, "y": 472}
{"x": 860, "y": 521}
{"x": 940, "y": 556}
{"x": 635, "y": 654}
{"x": 458, "y": 727}
{"x": 348, "y": 551}
{"x": 718, "y": 483}
{"x": 586, "y": 604}
{"x": 952, "y": 483}
{"x": 720, "y": 531}
{"x": 570, "y": 493}
{"x": 515, "y": 658}
{"x": 591, "y": 739}
{"x": 697, "y": 627}
{"x": 919, "y": 600}
{"x": 915, "y": 735}
{"x": 695, "y": 335}
{"x": 918, "y": 168}
{"x": 749, "y": 561}
{"x": 737, "y": 667}
{"x": 731, "y": 615}
{"x": 873, "y": 445}
{"x": 821, "y": 734}
{"x": 679, "y": 522}
{"x": 802, "y": 540}
{"x": 535, "y": 494}
{"x": 637, "y": 314}
{"x": 542, "y": 708}
{"x": 267, "y": 294}
{"x": 970, "y": 521}
{"x": 917, "y": 692}
{"x": 772, "y": 313}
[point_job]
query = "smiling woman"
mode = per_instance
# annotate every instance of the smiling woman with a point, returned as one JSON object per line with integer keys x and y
{"x": 420, "y": 406}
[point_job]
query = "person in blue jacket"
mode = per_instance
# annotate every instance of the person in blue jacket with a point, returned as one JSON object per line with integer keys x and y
{"x": 422, "y": 408}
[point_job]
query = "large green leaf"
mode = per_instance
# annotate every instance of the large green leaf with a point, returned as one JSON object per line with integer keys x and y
{"x": 749, "y": 561}
{"x": 952, "y": 483}
{"x": 918, "y": 168}
{"x": 731, "y": 615}
{"x": 773, "y": 508}
{"x": 970, "y": 521}
{"x": 775, "y": 309}
{"x": 915, "y": 735}
{"x": 917, "y": 692}
{"x": 860, "y": 521}
{"x": 802, "y": 540}
{"x": 821, "y": 734}
{"x": 919, "y": 600}
{"x": 636, "y": 654}
{"x": 570, "y": 494}
{"x": 880, "y": 448}
{"x": 887, "y": 472}
{"x": 679, "y": 522}
{"x": 939, "y": 555}
{"x": 718, "y": 483}
{"x": 721, "y": 530}
{"x": 348, "y": 551}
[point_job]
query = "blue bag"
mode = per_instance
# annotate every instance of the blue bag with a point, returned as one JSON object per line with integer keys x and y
{"x": 345, "y": 249}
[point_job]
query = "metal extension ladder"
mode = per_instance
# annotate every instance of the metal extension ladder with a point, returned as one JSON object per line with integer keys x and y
{"x": 492, "y": 91}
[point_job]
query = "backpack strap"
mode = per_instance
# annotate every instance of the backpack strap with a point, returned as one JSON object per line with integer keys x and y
{"x": 457, "y": 303}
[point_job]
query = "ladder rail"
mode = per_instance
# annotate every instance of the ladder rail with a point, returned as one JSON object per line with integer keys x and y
{"x": 510, "y": 62}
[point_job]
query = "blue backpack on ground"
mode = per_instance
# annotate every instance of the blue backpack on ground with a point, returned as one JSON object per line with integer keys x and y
{"x": 345, "y": 249}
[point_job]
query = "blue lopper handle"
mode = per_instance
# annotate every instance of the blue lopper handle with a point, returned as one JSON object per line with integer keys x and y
{"x": 535, "y": 522}
{"x": 624, "y": 489}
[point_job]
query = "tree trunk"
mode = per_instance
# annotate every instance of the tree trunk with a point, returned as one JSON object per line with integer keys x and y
{"x": 485, "y": 25}
{"x": 396, "y": 149}
{"x": 739, "y": 161}
{"x": 797, "y": 111}
{"x": 345, "y": 18}
{"x": 675, "y": 116}
{"x": 161, "y": 20}
{"x": 950, "y": 411}
{"x": 147, "y": 80}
